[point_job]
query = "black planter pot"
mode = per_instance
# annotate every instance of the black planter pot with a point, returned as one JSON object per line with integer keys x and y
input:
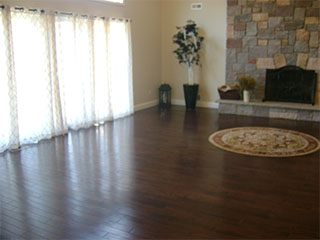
{"x": 190, "y": 95}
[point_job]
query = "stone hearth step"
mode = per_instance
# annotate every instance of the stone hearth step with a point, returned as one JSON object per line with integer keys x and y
{"x": 294, "y": 111}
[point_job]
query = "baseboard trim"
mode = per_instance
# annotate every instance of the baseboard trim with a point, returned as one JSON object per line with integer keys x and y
{"x": 178, "y": 102}
{"x": 199, "y": 103}
{"x": 208, "y": 104}
{"x": 145, "y": 105}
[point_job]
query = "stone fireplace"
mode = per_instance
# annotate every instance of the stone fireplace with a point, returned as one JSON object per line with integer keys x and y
{"x": 270, "y": 34}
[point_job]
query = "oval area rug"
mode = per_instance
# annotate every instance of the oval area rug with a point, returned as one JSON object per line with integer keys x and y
{"x": 265, "y": 142}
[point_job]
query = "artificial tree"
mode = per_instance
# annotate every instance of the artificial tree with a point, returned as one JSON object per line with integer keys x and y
{"x": 189, "y": 44}
{"x": 188, "y": 52}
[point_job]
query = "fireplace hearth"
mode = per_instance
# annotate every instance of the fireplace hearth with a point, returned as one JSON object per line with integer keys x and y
{"x": 290, "y": 84}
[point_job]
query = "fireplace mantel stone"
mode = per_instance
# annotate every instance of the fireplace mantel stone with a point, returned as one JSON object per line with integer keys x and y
{"x": 293, "y": 111}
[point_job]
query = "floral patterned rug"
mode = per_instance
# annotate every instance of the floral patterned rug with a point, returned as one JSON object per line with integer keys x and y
{"x": 265, "y": 142}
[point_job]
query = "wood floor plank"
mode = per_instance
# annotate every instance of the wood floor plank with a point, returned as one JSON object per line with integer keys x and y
{"x": 155, "y": 175}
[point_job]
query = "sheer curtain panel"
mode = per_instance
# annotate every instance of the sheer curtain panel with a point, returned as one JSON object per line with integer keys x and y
{"x": 60, "y": 71}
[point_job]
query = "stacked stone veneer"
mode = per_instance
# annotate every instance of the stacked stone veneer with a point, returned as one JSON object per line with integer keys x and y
{"x": 268, "y": 34}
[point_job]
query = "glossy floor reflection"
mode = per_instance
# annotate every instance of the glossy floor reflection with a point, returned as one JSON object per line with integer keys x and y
{"x": 155, "y": 175}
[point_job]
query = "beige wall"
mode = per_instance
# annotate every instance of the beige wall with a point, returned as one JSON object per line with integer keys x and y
{"x": 212, "y": 23}
{"x": 146, "y": 36}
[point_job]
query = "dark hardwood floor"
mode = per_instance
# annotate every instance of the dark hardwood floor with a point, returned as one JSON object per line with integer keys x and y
{"x": 155, "y": 175}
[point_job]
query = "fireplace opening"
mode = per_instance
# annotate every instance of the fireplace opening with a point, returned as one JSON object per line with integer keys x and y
{"x": 290, "y": 84}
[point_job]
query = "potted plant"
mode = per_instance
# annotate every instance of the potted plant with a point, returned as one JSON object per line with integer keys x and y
{"x": 188, "y": 52}
{"x": 247, "y": 85}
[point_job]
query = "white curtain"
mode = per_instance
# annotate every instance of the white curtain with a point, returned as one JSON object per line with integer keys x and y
{"x": 59, "y": 72}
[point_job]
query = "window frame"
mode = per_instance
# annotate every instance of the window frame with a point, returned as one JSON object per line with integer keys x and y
{"x": 110, "y": 2}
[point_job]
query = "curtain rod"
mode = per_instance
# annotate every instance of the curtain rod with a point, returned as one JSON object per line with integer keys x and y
{"x": 86, "y": 15}
{"x": 30, "y": 9}
{"x": 65, "y": 13}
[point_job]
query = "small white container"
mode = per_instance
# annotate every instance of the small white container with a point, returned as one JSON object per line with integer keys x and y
{"x": 246, "y": 96}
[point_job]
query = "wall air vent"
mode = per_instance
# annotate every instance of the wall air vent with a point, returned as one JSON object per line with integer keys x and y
{"x": 196, "y": 6}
